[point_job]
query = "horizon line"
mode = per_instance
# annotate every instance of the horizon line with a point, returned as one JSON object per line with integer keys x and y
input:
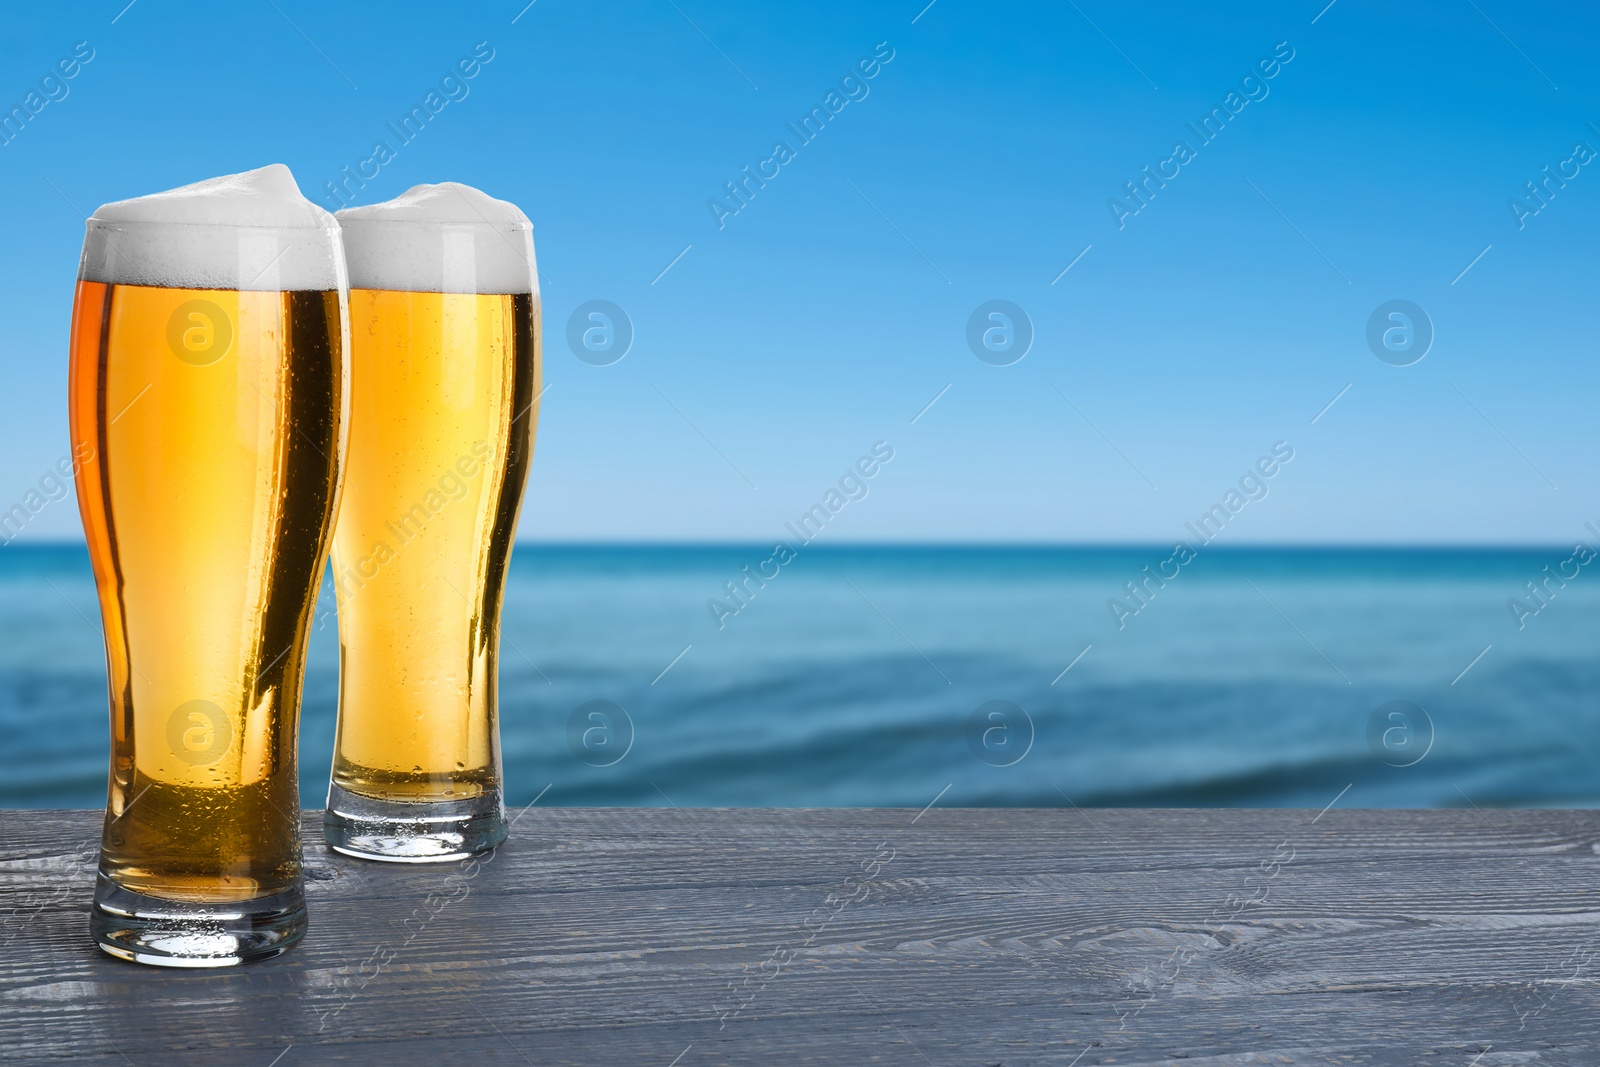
{"x": 929, "y": 543}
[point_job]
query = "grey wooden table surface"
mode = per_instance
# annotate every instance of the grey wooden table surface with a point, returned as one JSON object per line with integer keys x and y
{"x": 958, "y": 936}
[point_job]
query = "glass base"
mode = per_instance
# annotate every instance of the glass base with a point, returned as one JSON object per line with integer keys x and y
{"x": 408, "y": 832}
{"x": 179, "y": 933}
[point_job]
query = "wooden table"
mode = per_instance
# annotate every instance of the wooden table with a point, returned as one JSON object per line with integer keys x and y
{"x": 954, "y": 936}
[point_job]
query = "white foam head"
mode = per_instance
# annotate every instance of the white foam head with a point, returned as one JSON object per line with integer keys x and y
{"x": 240, "y": 231}
{"x": 446, "y": 238}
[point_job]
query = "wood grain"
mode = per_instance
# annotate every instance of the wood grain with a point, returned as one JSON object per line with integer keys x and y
{"x": 957, "y": 936}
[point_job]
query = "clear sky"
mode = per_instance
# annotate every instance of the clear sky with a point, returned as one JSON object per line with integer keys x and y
{"x": 771, "y": 351}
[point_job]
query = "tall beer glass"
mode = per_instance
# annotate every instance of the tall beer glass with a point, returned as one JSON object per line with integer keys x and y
{"x": 208, "y": 393}
{"x": 444, "y": 383}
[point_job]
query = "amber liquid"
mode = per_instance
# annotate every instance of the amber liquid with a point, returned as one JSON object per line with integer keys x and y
{"x": 208, "y": 429}
{"x": 442, "y": 415}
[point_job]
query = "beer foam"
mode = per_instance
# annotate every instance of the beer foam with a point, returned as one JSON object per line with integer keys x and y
{"x": 445, "y": 238}
{"x": 240, "y": 231}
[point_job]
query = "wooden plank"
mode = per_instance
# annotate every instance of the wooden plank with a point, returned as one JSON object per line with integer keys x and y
{"x": 966, "y": 936}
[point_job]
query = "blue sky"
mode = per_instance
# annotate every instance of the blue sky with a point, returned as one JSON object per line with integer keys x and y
{"x": 827, "y": 313}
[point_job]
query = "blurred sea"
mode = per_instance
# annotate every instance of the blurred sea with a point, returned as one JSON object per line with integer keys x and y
{"x": 855, "y": 676}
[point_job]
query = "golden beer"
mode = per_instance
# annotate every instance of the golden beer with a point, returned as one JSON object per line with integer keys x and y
{"x": 441, "y": 435}
{"x": 208, "y": 425}
{"x": 443, "y": 390}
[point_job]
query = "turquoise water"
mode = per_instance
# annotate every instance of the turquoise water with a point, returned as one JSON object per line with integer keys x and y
{"x": 854, "y": 674}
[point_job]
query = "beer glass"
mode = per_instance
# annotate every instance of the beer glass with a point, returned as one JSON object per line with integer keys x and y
{"x": 207, "y": 400}
{"x": 444, "y": 382}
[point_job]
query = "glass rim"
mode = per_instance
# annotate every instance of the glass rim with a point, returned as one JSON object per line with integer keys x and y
{"x": 154, "y": 224}
{"x": 481, "y": 224}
